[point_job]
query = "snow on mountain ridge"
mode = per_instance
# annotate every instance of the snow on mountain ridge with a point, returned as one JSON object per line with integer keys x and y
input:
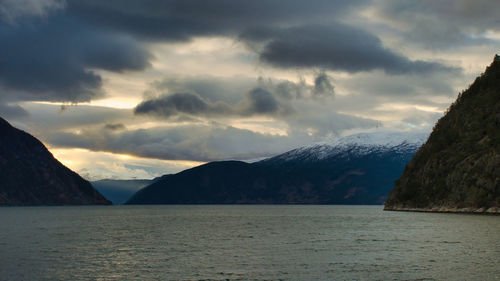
{"x": 359, "y": 144}
{"x": 380, "y": 138}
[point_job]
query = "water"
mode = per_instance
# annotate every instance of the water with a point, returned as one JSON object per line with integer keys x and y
{"x": 245, "y": 243}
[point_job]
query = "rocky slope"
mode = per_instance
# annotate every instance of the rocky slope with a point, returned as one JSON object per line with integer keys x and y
{"x": 458, "y": 168}
{"x": 30, "y": 175}
{"x": 359, "y": 169}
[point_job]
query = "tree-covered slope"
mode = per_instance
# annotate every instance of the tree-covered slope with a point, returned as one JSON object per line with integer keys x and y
{"x": 458, "y": 168}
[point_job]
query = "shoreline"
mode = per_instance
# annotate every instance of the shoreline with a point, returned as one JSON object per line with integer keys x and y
{"x": 450, "y": 210}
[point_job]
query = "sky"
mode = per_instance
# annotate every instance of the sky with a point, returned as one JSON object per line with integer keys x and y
{"x": 141, "y": 88}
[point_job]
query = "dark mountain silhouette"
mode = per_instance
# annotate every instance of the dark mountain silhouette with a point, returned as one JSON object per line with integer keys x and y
{"x": 458, "y": 168}
{"x": 30, "y": 175}
{"x": 360, "y": 169}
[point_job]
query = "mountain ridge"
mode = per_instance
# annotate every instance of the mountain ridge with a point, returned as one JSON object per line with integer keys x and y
{"x": 362, "y": 143}
{"x": 344, "y": 178}
{"x": 31, "y": 176}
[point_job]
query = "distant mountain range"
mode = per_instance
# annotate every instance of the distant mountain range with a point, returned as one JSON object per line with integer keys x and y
{"x": 30, "y": 175}
{"x": 458, "y": 168}
{"x": 119, "y": 191}
{"x": 359, "y": 169}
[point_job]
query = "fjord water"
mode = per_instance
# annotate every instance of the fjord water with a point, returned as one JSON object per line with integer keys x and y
{"x": 287, "y": 242}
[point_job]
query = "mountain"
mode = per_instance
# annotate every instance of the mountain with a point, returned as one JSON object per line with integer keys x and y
{"x": 119, "y": 191}
{"x": 458, "y": 168}
{"x": 358, "y": 145}
{"x": 358, "y": 169}
{"x": 30, "y": 175}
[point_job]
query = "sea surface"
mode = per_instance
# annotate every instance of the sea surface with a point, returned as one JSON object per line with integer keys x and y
{"x": 249, "y": 242}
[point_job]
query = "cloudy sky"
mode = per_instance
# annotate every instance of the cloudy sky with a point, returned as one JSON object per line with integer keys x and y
{"x": 140, "y": 88}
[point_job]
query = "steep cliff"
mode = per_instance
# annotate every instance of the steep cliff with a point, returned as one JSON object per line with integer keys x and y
{"x": 30, "y": 175}
{"x": 458, "y": 168}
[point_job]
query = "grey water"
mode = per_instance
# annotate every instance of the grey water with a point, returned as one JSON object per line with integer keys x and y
{"x": 249, "y": 242}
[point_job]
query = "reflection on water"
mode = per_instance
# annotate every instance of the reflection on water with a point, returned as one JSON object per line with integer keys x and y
{"x": 245, "y": 242}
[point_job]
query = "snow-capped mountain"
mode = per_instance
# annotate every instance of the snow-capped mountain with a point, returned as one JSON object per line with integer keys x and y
{"x": 355, "y": 146}
{"x": 358, "y": 169}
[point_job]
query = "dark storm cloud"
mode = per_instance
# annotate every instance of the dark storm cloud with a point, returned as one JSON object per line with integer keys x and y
{"x": 230, "y": 97}
{"x": 51, "y": 49}
{"x": 333, "y": 47}
{"x": 445, "y": 23}
{"x": 231, "y": 90}
{"x": 258, "y": 101}
{"x": 292, "y": 36}
{"x": 323, "y": 86}
{"x": 50, "y": 59}
{"x": 179, "y": 20}
{"x": 211, "y": 88}
{"x": 261, "y": 101}
{"x": 181, "y": 103}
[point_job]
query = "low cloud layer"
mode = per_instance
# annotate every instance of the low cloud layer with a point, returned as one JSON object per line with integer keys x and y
{"x": 265, "y": 98}
{"x": 182, "y": 103}
{"x": 200, "y": 142}
{"x": 211, "y": 142}
{"x": 258, "y": 101}
{"x": 113, "y": 130}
